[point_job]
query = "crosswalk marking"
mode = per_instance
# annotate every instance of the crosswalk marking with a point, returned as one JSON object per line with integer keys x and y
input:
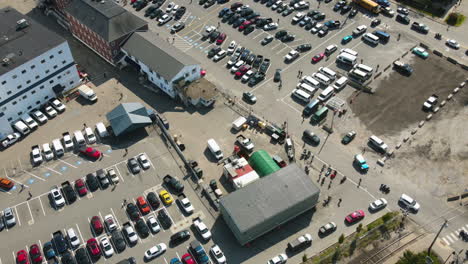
{"x": 454, "y": 236}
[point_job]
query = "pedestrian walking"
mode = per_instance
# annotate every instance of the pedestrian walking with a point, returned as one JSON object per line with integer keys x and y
{"x": 126, "y": 152}
{"x": 173, "y": 40}
{"x": 278, "y": 21}
{"x": 190, "y": 2}
{"x": 102, "y": 156}
{"x": 219, "y": 24}
{"x": 359, "y": 184}
{"x": 22, "y": 187}
{"x": 298, "y": 74}
{"x": 30, "y": 194}
{"x": 339, "y": 202}
{"x": 84, "y": 125}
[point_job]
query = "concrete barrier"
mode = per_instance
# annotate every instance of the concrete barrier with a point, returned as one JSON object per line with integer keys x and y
{"x": 453, "y": 198}
{"x": 404, "y": 54}
{"x": 443, "y": 103}
{"x": 436, "y": 109}
{"x": 438, "y": 53}
{"x": 452, "y": 60}
{"x": 381, "y": 162}
{"x": 463, "y": 66}
{"x": 398, "y": 146}
{"x": 421, "y": 124}
{"x": 388, "y": 67}
{"x": 377, "y": 75}
{"x": 449, "y": 97}
{"x": 405, "y": 138}
{"x": 414, "y": 131}
{"x": 428, "y": 117}
{"x": 423, "y": 45}
{"x": 456, "y": 90}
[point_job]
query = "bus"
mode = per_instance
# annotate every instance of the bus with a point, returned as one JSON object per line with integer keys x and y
{"x": 369, "y": 5}
{"x": 320, "y": 115}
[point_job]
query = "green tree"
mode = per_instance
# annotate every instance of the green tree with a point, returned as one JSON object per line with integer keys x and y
{"x": 341, "y": 239}
{"x": 359, "y": 228}
{"x": 386, "y": 217}
{"x": 336, "y": 255}
{"x": 304, "y": 258}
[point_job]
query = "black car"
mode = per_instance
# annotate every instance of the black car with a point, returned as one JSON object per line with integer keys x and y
{"x": 277, "y": 76}
{"x": 214, "y": 35}
{"x": 234, "y": 19}
{"x": 164, "y": 219}
{"x": 304, "y": 47}
{"x": 118, "y": 241}
{"x": 292, "y": 2}
{"x": 153, "y": 200}
{"x": 92, "y": 182}
{"x": 139, "y": 5}
{"x": 264, "y": 66}
{"x": 81, "y": 256}
{"x": 257, "y": 61}
{"x": 213, "y": 51}
{"x": 319, "y": 17}
{"x": 280, "y": 34}
{"x": 70, "y": 194}
{"x": 310, "y": 25}
{"x": 59, "y": 242}
{"x": 67, "y": 258}
{"x": 403, "y": 19}
{"x": 249, "y": 29}
{"x": 202, "y": 2}
{"x": 249, "y": 97}
{"x": 353, "y": 13}
{"x": 288, "y": 38}
{"x": 337, "y": 7}
{"x": 142, "y": 228}
{"x": 209, "y": 3}
{"x": 311, "y": 137}
{"x": 133, "y": 212}
{"x": 238, "y": 22}
{"x": 177, "y": 27}
{"x": 245, "y": 53}
{"x": 250, "y": 59}
{"x": 345, "y": 9}
{"x": 376, "y": 22}
{"x": 180, "y": 237}
{"x": 150, "y": 9}
{"x": 287, "y": 11}
{"x": 266, "y": 40}
{"x": 180, "y": 12}
{"x": 258, "y": 77}
{"x": 156, "y": 14}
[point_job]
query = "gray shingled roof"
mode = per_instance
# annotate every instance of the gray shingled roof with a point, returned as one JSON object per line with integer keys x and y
{"x": 268, "y": 202}
{"x": 157, "y": 54}
{"x": 16, "y": 44}
{"x": 106, "y": 18}
{"x": 127, "y": 117}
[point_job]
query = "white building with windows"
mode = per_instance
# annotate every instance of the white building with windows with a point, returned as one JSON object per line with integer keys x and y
{"x": 36, "y": 66}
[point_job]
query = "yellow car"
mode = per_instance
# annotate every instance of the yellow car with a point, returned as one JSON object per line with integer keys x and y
{"x": 165, "y": 197}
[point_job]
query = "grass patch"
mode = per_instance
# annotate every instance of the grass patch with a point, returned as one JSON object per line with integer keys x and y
{"x": 455, "y": 19}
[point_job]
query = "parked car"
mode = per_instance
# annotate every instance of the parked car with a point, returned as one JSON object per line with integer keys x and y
{"x": 318, "y": 57}
{"x": 280, "y": 259}
{"x": 177, "y": 27}
{"x": 164, "y": 218}
{"x": 118, "y": 241}
{"x": 327, "y": 229}
{"x": 133, "y": 166}
{"x": 155, "y": 251}
{"x": 377, "y": 204}
{"x": 144, "y": 162}
{"x": 409, "y": 203}
{"x": 142, "y": 228}
{"x": 153, "y": 224}
{"x": 218, "y": 254}
{"x": 35, "y": 254}
{"x": 103, "y": 179}
{"x": 355, "y": 216}
{"x": 113, "y": 176}
{"x": 348, "y": 137}
{"x": 266, "y": 40}
{"x": 166, "y": 198}
{"x": 36, "y": 155}
{"x": 57, "y": 105}
{"x": 39, "y": 116}
{"x": 180, "y": 236}
{"x": 90, "y": 152}
{"x": 57, "y": 197}
{"x": 96, "y": 224}
{"x": 81, "y": 187}
{"x": 143, "y": 205}
{"x": 93, "y": 247}
{"x": 249, "y": 97}
{"x": 153, "y": 200}
{"x": 132, "y": 212}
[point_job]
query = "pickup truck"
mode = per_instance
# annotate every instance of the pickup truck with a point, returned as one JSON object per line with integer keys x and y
{"x": 199, "y": 252}
{"x": 68, "y": 192}
{"x": 404, "y": 68}
{"x": 185, "y": 204}
{"x": 202, "y": 228}
{"x": 130, "y": 233}
{"x": 67, "y": 141}
{"x": 430, "y": 102}
{"x": 300, "y": 243}
{"x": 216, "y": 190}
{"x": 208, "y": 30}
{"x": 59, "y": 241}
{"x": 245, "y": 143}
{"x": 289, "y": 148}
{"x": 175, "y": 184}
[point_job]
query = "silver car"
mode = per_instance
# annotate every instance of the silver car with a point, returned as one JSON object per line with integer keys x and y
{"x": 10, "y": 219}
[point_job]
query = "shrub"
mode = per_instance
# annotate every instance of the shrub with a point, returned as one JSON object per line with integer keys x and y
{"x": 455, "y": 19}
{"x": 304, "y": 258}
{"x": 386, "y": 217}
{"x": 359, "y": 228}
{"x": 341, "y": 239}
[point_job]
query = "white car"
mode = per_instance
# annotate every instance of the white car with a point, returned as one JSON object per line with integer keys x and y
{"x": 67, "y": 141}
{"x": 187, "y": 207}
{"x": 301, "y": 5}
{"x": 280, "y": 259}
{"x": 39, "y": 116}
{"x": 403, "y": 10}
{"x": 232, "y": 47}
{"x": 9, "y": 216}
{"x": 36, "y": 154}
{"x": 47, "y": 151}
{"x": 409, "y": 202}
{"x": 155, "y": 251}
{"x": 219, "y": 56}
{"x": 453, "y": 43}
{"x": 130, "y": 233}
{"x": 291, "y": 56}
{"x": 145, "y": 164}
{"x": 359, "y": 30}
{"x": 169, "y": 7}
{"x": 50, "y": 112}
{"x": 164, "y": 19}
{"x": 217, "y": 254}
{"x": 271, "y": 26}
{"x": 113, "y": 176}
{"x": 73, "y": 238}
{"x": 237, "y": 66}
{"x": 153, "y": 224}
{"x": 106, "y": 246}
{"x": 316, "y": 28}
{"x": 175, "y": 8}
{"x": 202, "y": 228}
{"x": 11, "y": 139}
{"x": 58, "y": 105}
{"x": 298, "y": 17}
{"x": 388, "y": 11}
{"x": 247, "y": 76}
{"x": 110, "y": 223}
{"x": 378, "y": 204}
{"x": 57, "y": 197}
{"x": 90, "y": 137}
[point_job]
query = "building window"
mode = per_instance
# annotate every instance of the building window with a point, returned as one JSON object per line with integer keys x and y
{"x": 3, "y": 82}
{"x": 9, "y": 119}
{"x": 47, "y": 71}
{"x": 186, "y": 74}
{"x": 60, "y": 52}
{"x": 33, "y": 92}
{"x": 23, "y": 71}
{"x": 37, "y": 76}
{"x": 20, "y": 86}
{"x": 194, "y": 70}
{"x": 28, "y": 81}
{"x": 33, "y": 66}
{"x": 15, "y": 76}
{"x": 20, "y": 113}
{"x": 63, "y": 62}
{"x": 13, "y": 103}
{"x": 25, "y": 96}
{"x": 166, "y": 81}
{"x": 59, "y": 77}
{"x": 9, "y": 92}
{"x": 42, "y": 87}
{"x": 38, "y": 102}
{"x": 29, "y": 107}
{"x": 47, "y": 97}
{"x": 2, "y": 114}
{"x": 42, "y": 61}
{"x": 72, "y": 82}
{"x": 55, "y": 66}
{"x": 51, "y": 81}
{"x": 51, "y": 56}
{"x": 157, "y": 75}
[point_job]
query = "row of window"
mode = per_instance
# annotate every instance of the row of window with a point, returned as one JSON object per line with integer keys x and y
{"x": 37, "y": 77}
{"x": 34, "y": 66}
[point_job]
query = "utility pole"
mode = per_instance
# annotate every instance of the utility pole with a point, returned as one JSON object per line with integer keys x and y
{"x": 435, "y": 238}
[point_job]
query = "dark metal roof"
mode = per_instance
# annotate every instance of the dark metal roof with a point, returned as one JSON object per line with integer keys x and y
{"x": 266, "y": 203}
{"x": 22, "y": 45}
{"x": 157, "y": 54}
{"x": 127, "y": 117}
{"x": 106, "y": 18}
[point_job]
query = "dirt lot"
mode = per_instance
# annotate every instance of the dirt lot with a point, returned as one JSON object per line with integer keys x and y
{"x": 398, "y": 99}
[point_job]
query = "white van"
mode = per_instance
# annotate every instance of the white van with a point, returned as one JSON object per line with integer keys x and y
{"x": 364, "y": 68}
{"x": 322, "y": 78}
{"x": 79, "y": 138}
{"x": 21, "y": 127}
{"x": 215, "y": 149}
{"x": 326, "y": 94}
{"x": 347, "y": 58}
{"x": 330, "y": 49}
{"x": 371, "y": 38}
{"x": 378, "y": 143}
{"x": 329, "y": 73}
{"x": 301, "y": 95}
{"x": 306, "y": 88}
{"x": 359, "y": 75}
{"x": 350, "y": 52}
{"x": 58, "y": 148}
{"x": 311, "y": 81}
{"x": 90, "y": 135}
{"x": 27, "y": 119}
{"x": 48, "y": 154}
{"x": 101, "y": 129}
{"x": 340, "y": 83}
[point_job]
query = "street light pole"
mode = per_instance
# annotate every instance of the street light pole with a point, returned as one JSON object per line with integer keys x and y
{"x": 435, "y": 238}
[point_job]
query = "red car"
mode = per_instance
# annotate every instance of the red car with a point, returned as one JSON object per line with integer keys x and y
{"x": 221, "y": 38}
{"x": 22, "y": 257}
{"x": 97, "y": 225}
{"x": 242, "y": 70}
{"x": 187, "y": 259}
{"x": 143, "y": 205}
{"x": 318, "y": 57}
{"x": 245, "y": 24}
{"x": 93, "y": 247}
{"x": 35, "y": 253}
{"x": 90, "y": 152}
{"x": 355, "y": 216}
{"x": 81, "y": 187}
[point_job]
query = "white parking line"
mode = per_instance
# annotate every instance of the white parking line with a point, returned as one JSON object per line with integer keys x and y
{"x": 281, "y": 50}
{"x": 79, "y": 232}
{"x": 30, "y": 212}
{"x": 6, "y": 175}
{"x": 17, "y": 217}
{"x": 71, "y": 165}
{"x": 276, "y": 45}
{"x": 52, "y": 170}
{"x": 261, "y": 33}
{"x": 14, "y": 257}
{"x": 42, "y": 207}
{"x": 115, "y": 218}
{"x": 34, "y": 175}
{"x": 165, "y": 260}
{"x": 19, "y": 161}
{"x": 120, "y": 174}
